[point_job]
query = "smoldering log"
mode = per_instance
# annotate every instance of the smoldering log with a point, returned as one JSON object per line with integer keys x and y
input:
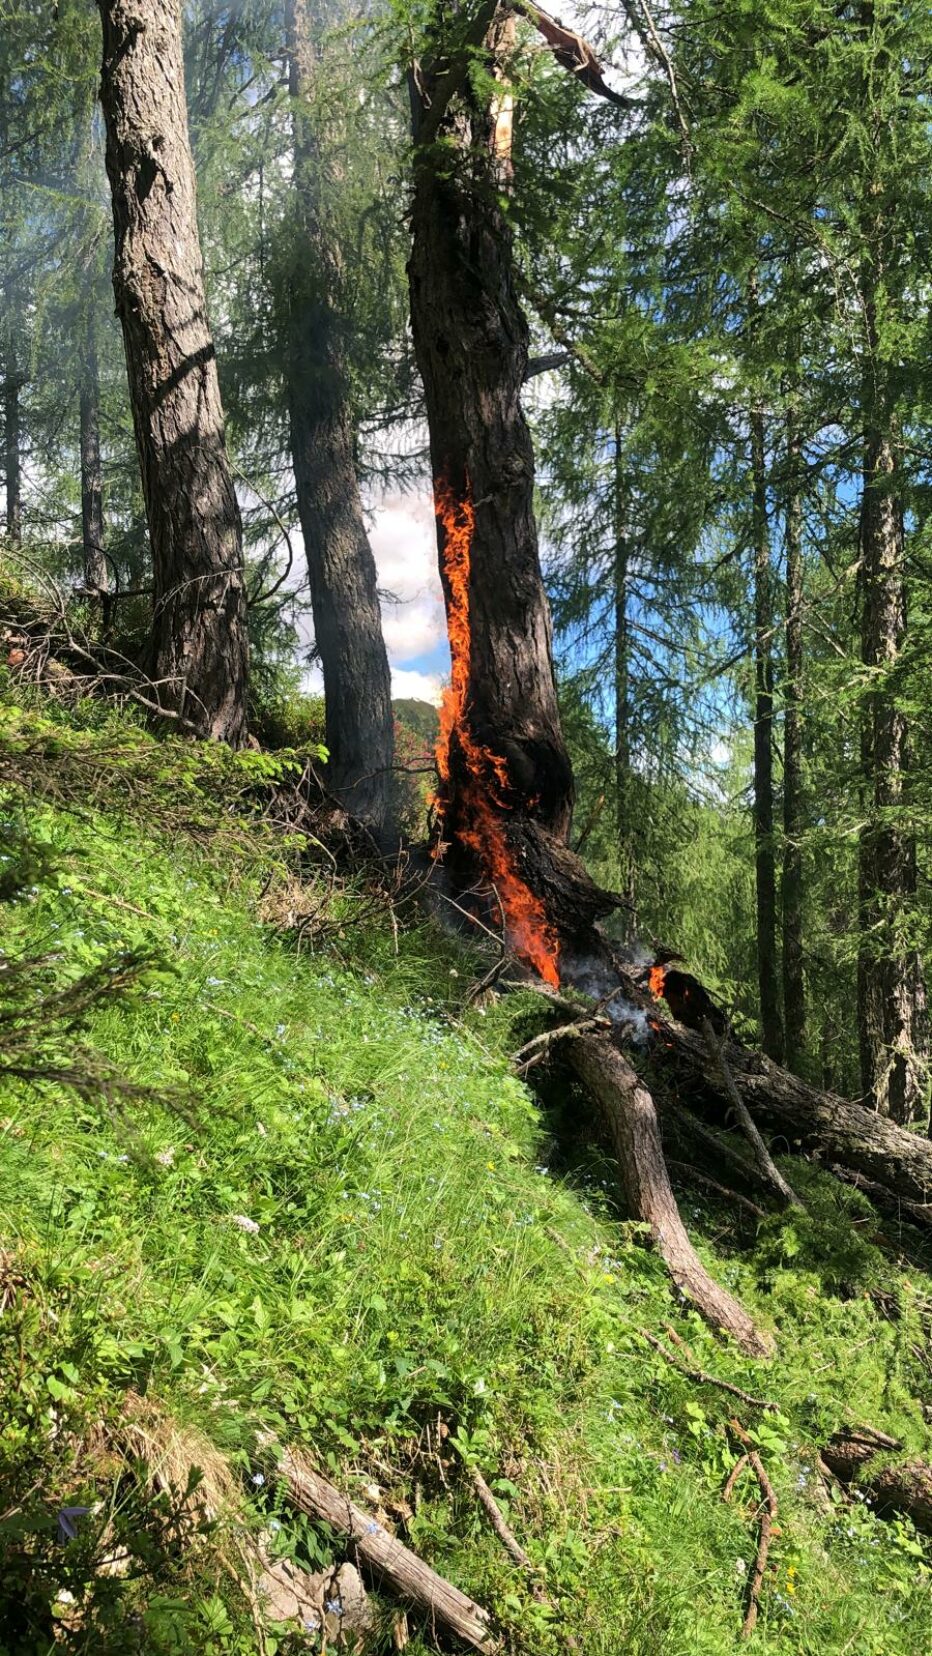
{"x": 630, "y": 1123}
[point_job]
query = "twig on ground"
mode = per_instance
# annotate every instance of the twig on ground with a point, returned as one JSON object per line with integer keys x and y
{"x": 508, "y": 1539}
{"x": 701, "y": 1378}
{"x": 767, "y": 1513}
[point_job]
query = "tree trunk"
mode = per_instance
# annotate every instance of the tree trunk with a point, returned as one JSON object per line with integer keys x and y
{"x": 764, "y": 856}
{"x": 96, "y": 573}
{"x": 623, "y": 810}
{"x": 889, "y": 975}
{"x": 12, "y": 435}
{"x": 341, "y": 568}
{"x": 630, "y": 1122}
{"x": 471, "y": 341}
{"x": 794, "y": 992}
{"x": 199, "y": 641}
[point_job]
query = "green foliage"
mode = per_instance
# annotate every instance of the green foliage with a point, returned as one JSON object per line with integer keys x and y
{"x": 356, "y": 1227}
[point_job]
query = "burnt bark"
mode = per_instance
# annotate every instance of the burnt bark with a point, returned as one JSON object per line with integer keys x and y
{"x": 471, "y": 342}
{"x": 794, "y": 990}
{"x": 199, "y": 641}
{"x": 764, "y": 853}
{"x": 96, "y": 571}
{"x": 629, "y": 1121}
{"x": 341, "y": 567}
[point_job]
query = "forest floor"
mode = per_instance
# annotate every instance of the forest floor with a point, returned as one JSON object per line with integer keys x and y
{"x": 334, "y": 1214}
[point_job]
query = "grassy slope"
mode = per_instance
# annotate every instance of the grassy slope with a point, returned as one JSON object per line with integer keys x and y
{"x": 415, "y": 1259}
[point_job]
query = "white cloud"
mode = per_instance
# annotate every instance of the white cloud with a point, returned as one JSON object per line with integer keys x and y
{"x": 422, "y": 686}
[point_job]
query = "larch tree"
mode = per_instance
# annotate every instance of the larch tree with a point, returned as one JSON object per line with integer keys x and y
{"x": 199, "y": 641}
{"x": 341, "y": 567}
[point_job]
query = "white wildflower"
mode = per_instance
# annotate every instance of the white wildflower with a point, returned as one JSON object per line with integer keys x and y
{"x": 244, "y": 1224}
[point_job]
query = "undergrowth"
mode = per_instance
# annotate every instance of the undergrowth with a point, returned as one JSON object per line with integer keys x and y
{"x": 323, "y": 1208}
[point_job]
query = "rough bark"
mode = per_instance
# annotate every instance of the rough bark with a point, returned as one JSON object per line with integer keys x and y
{"x": 630, "y": 1122}
{"x": 96, "y": 572}
{"x": 341, "y": 568}
{"x": 794, "y": 991}
{"x": 385, "y": 1557}
{"x": 889, "y": 975}
{"x": 764, "y": 854}
{"x": 199, "y": 642}
{"x": 471, "y": 342}
{"x": 623, "y": 807}
{"x": 902, "y": 1487}
{"x": 12, "y": 440}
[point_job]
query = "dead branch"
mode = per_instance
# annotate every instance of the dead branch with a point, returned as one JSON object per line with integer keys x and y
{"x": 767, "y": 1168}
{"x": 629, "y": 1120}
{"x": 700, "y": 1378}
{"x": 692, "y": 1176}
{"x": 508, "y": 1539}
{"x": 387, "y": 1558}
{"x": 768, "y": 1512}
{"x": 572, "y": 52}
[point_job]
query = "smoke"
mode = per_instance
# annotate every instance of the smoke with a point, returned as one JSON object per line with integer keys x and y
{"x": 592, "y": 977}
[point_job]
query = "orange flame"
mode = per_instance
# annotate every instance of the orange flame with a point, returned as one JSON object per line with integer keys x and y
{"x": 655, "y": 981}
{"x": 485, "y": 777}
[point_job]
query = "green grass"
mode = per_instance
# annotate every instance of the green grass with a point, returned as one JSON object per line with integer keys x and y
{"x": 422, "y": 1257}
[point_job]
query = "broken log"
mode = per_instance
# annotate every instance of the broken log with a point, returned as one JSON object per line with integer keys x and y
{"x": 384, "y": 1556}
{"x": 905, "y": 1487}
{"x": 630, "y": 1121}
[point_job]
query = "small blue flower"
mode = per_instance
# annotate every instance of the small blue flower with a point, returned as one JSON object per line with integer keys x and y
{"x": 67, "y": 1527}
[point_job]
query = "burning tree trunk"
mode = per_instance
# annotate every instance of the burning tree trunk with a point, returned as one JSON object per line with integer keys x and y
{"x": 341, "y": 568}
{"x": 199, "y": 625}
{"x": 502, "y": 757}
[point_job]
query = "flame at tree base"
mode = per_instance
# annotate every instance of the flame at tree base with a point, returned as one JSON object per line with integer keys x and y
{"x": 482, "y": 775}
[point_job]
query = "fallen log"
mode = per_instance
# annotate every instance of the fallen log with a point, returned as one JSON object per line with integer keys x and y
{"x": 903, "y": 1488}
{"x": 630, "y": 1122}
{"x": 383, "y": 1555}
{"x": 837, "y": 1130}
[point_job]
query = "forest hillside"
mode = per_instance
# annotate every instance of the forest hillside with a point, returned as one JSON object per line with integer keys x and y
{"x": 465, "y": 828}
{"x": 260, "y": 1192}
